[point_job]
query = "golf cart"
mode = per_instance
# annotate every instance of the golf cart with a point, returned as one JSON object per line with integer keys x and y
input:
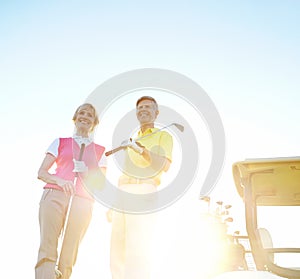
{"x": 270, "y": 184}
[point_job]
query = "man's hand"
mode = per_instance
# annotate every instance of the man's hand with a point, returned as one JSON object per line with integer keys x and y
{"x": 136, "y": 146}
{"x": 125, "y": 143}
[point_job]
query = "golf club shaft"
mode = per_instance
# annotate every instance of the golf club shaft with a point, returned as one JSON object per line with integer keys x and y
{"x": 114, "y": 150}
{"x": 57, "y": 271}
{"x": 178, "y": 126}
{"x": 82, "y": 147}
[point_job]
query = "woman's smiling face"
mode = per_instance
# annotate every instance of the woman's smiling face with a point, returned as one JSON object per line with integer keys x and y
{"x": 85, "y": 119}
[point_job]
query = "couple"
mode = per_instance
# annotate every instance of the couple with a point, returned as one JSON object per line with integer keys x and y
{"x": 65, "y": 198}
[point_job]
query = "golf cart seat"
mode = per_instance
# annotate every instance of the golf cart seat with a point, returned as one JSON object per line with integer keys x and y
{"x": 266, "y": 240}
{"x": 268, "y": 182}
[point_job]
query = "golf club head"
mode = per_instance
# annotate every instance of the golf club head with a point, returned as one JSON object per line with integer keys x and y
{"x": 229, "y": 220}
{"x": 58, "y": 273}
{"x": 205, "y": 198}
{"x": 179, "y": 126}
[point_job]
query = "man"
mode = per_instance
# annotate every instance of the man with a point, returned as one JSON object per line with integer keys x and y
{"x": 147, "y": 158}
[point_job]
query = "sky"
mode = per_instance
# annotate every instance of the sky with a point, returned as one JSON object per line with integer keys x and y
{"x": 244, "y": 54}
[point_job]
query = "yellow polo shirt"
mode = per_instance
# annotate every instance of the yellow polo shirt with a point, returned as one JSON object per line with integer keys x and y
{"x": 136, "y": 168}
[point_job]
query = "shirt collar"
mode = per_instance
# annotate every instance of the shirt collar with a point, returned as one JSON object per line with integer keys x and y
{"x": 80, "y": 140}
{"x": 148, "y": 131}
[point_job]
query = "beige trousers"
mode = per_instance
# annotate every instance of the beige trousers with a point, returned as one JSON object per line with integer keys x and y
{"x": 131, "y": 239}
{"x": 52, "y": 214}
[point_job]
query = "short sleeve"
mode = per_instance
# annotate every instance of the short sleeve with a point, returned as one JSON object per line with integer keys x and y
{"x": 103, "y": 162}
{"x": 53, "y": 148}
{"x": 166, "y": 143}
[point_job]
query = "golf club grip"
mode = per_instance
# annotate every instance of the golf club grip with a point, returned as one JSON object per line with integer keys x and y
{"x": 82, "y": 147}
{"x": 113, "y": 150}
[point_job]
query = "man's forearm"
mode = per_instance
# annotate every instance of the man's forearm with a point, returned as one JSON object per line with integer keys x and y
{"x": 157, "y": 162}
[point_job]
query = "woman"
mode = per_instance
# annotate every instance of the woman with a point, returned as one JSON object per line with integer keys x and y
{"x": 76, "y": 158}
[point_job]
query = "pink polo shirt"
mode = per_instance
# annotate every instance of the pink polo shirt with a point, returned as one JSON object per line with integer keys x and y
{"x": 69, "y": 149}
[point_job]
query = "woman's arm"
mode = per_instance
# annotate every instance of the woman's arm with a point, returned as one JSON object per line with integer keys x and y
{"x": 44, "y": 175}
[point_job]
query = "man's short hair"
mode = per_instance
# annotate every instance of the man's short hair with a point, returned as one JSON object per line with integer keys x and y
{"x": 146, "y": 98}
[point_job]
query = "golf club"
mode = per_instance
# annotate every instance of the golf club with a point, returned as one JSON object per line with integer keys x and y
{"x": 58, "y": 273}
{"x": 178, "y": 126}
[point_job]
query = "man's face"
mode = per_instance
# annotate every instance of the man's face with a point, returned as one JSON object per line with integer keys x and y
{"x": 146, "y": 112}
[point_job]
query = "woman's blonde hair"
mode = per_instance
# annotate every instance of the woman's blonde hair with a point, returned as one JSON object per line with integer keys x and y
{"x": 96, "y": 119}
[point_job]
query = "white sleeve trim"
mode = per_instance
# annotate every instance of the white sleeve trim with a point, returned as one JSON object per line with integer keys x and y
{"x": 103, "y": 162}
{"x": 53, "y": 148}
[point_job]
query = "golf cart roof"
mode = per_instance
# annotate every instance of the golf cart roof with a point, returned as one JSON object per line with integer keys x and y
{"x": 273, "y": 181}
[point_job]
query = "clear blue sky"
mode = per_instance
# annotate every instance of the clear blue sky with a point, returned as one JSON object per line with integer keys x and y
{"x": 244, "y": 54}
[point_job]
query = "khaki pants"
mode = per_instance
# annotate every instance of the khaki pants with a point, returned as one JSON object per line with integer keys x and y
{"x": 131, "y": 240}
{"x": 52, "y": 214}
